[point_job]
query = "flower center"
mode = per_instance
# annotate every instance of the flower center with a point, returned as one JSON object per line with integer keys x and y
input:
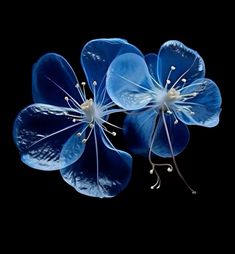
{"x": 90, "y": 110}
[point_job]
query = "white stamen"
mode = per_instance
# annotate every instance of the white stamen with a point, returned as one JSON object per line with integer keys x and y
{"x": 66, "y": 98}
{"x": 94, "y": 83}
{"x": 183, "y": 80}
{"x": 114, "y": 133}
{"x": 173, "y": 68}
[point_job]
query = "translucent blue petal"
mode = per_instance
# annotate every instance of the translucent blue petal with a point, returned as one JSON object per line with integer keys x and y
{"x": 187, "y": 62}
{"x": 179, "y": 136}
{"x": 53, "y": 79}
{"x": 151, "y": 61}
{"x": 104, "y": 174}
{"x": 128, "y": 82}
{"x": 40, "y": 131}
{"x": 138, "y": 130}
{"x": 96, "y": 57}
{"x": 204, "y": 107}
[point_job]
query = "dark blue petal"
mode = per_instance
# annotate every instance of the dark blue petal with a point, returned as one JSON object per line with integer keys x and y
{"x": 96, "y": 57}
{"x": 179, "y": 136}
{"x": 151, "y": 61}
{"x": 128, "y": 82}
{"x": 40, "y": 132}
{"x": 101, "y": 172}
{"x": 204, "y": 107}
{"x": 138, "y": 130}
{"x": 53, "y": 79}
{"x": 187, "y": 62}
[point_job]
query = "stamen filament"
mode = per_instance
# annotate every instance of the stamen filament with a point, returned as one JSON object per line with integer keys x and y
{"x": 172, "y": 154}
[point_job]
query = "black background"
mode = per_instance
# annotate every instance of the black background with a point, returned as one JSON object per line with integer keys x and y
{"x": 42, "y": 199}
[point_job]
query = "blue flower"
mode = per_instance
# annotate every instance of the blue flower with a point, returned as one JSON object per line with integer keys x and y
{"x": 171, "y": 92}
{"x": 66, "y": 130}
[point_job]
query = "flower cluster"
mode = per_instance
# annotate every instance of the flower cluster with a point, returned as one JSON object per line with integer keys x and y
{"x": 66, "y": 130}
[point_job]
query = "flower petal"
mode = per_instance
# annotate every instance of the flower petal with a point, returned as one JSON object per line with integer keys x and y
{"x": 128, "y": 82}
{"x": 96, "y": 57}
{"x": 187, "y": 63}
{"x": 179, "y": 137}
{"x": 102, "y": 170}
{"x": 40, "y": 132}
{"x": 53, "y": 79}
{"x": 138, "y": 130}
{"x": 202, "y": 109}
{"x": 151, "y": 61}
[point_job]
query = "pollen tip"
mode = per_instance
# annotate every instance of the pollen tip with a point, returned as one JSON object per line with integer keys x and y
{"x": 151, "y": 171}
{"x": 176, "y": 121}
{"x": 66, "y": 98}
{"x": 194, "y": 192}
{"x": 169, "y": 112}
{"x": 77, "y": 85}
{"x": 168, "y": 81}
{"x": 84, "y": 140}
{"x": 114, "y": 133}
{"x": 79, "y": 134}
{"x": 183, "y": 80}
{"x": 94, "y": 83}
{"x": 152, "y": 187}
{"x": 83, "y": 83}
{"x": 169, "y": 169}
{"x": 91, "y": 125}
{"x": 74, "y": 120}
{"x": 172, "y": 67}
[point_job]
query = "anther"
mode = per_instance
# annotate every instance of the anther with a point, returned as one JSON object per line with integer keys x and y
{"x": 79, "y": 134}
{"x": 84, "y": 141}
{"x": 77, "y": 85}
{"x": 151, "y": 171}
{"x": 66, "y": 98}
{"x": 168, "y": 81}
{"x": 91, "y": 125}
{"x": 169, "y": 169}
{"x": 74, "y": 120}
{"x": 169, "y": 112}
{"x": 94, "y": 83}
{"x": 114, "y": 133}
{"x": 176, "y": 121}
{"x": 83, "y": 83}
{"x": 183, "y": 80}
{"x": 172, "y": 67}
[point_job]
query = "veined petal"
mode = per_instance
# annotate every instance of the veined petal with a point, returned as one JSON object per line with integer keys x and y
{"x": 151, "y": 61}
{"x": 138, "y": 130}
{"x": 101, "y": 171}
{"x": 128, "y": 82}
{"x": 40, "y": 131}
{"x": 178, "y": 133}
{"x": 96, "y": 57}
{"x": 203, "y": 108}
{"x": 176, "y": 62}
{"x": 53, "y": 79}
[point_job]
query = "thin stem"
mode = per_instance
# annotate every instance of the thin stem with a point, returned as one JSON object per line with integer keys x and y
{"x": 172, "y": 153}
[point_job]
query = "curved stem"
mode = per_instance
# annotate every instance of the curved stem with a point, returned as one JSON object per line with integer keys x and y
{"x": 172, "y": 153}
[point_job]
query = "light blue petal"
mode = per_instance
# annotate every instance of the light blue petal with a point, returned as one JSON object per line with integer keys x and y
{"x": 128, "y": 82}
{"x": 101, "y": 172}
{"x": 204, "y": 107}
{"x": 179, "y": 137}
{"x": 96, "y": 57}
{"x": 151, "y": 61}
{"x": 187, "y": 62}
{"x": 138, "y": 130}
{"x": 53, "y": 79}
{"x": 40, "y": 131}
